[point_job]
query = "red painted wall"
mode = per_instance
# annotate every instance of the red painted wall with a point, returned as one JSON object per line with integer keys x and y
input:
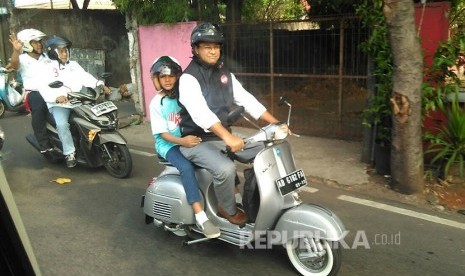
{"x": 433, "y": 23}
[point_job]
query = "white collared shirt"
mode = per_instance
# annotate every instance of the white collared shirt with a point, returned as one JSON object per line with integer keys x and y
{"x": 30, "y": 70}
{"x": 194, "y": 102}
{"x": 73, "y": 76}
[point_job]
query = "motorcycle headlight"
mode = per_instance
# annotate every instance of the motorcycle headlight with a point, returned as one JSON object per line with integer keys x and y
{"x": 281, "y": 131}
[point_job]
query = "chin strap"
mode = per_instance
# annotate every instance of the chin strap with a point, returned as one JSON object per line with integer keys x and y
{"x": 168, "y": 94}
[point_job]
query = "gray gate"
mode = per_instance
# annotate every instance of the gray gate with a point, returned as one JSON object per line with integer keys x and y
{"x": 316, "y": 64}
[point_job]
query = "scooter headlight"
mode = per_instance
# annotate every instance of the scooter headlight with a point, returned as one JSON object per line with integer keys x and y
{"x": 281, "y": 131}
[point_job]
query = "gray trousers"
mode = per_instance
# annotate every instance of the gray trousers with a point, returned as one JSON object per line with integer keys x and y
{"x": 209, "y": 156}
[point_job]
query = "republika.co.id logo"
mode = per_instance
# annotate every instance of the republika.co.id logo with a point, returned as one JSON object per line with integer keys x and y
{"x": 268, "y": 239}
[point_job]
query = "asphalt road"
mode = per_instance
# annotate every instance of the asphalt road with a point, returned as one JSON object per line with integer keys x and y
{"x": 95, "y": 226}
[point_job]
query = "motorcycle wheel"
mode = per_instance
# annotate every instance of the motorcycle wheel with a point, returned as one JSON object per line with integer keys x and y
{"x": 2, "y": 109}
{"x": 120, "y": 163}
{"x": 307, "y": 262}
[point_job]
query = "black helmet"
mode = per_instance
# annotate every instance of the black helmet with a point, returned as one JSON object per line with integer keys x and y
{"x": 55, "y": 42}
{"x": 166, "y": 65}
{"x": 207, "y": 32}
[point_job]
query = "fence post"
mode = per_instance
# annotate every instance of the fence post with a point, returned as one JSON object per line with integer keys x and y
{"x": 271, "y": 69}
{"x": 341, "y": 68}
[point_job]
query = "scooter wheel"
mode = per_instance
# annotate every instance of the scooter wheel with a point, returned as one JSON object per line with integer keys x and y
{"x": 119, "y": 163}
{"x": 308, "y": 261}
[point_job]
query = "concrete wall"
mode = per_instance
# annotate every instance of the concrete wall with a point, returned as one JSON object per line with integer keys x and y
{"x": 88, "y": 29}
{"x": 162, "y": 40}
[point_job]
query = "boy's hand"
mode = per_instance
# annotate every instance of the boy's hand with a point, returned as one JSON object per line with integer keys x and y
{"x": 190, "y": 141}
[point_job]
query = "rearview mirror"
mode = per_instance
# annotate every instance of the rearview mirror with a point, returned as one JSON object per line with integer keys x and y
{"x": 105, "y": 75}
{"x": 56, "y": 84}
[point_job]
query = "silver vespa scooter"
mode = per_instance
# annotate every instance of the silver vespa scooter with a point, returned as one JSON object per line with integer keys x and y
{"x": 310, "y": 233}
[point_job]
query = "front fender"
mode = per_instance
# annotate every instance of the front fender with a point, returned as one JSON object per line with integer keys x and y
{"x": 114, "y": 137}
{"x": 311, "y": 219}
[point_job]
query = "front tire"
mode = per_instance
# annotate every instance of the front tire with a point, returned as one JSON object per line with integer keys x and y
{"x": 119, "y": 163}
{"x": 308, "y": 261}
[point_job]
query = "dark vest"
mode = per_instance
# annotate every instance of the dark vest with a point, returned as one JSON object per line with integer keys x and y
{"x": 216, "y": 85}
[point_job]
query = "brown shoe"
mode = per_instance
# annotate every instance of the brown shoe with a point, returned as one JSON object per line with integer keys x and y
{"x": 238, "y": 218}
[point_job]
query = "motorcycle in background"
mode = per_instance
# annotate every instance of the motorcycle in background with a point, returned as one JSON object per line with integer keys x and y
{"x": 94, "y": 127}
{"x": 310, "y": 233}
{"x": 11, "y": 93}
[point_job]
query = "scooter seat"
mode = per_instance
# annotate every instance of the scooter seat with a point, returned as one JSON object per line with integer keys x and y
{"x": 163, "y": 160}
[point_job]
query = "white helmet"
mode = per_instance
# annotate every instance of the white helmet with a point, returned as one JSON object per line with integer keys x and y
{"x": 27, "y": 35}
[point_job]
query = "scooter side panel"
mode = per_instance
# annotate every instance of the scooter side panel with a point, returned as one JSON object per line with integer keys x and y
{"x": 84, "y": 125}
{"x": 310, "y": 219}
{"x": 114, "y": 137}
{"x": 270, "y": 164}
{"x": 166, "y": 200}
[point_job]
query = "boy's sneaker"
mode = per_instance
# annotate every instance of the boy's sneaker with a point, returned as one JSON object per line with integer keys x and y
{"x": 70, "y": 160}
{"x": 210, "y": 230}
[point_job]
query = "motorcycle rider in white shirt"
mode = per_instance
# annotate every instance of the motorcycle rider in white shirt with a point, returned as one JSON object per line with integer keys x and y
{"x": 74, "y": 77}
{"x": 28, "y": 60}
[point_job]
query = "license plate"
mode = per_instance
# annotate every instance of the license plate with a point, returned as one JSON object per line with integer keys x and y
{"x": 103, "y": 108}
{"x": 291, "y": 182}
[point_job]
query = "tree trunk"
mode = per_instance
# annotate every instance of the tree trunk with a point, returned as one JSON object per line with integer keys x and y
{"x": 233, "y": 11}
{"x": 406, "y": 149}
{"x": 233, "y": 16}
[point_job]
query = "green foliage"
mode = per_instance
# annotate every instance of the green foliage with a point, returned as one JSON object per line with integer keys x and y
{"x": 457, "y": 16}
{"x": 266, "y": 10}
{"x": 333, "y": 7}
{"x": 155, "y": 11}
{"x": 377, "y": 46}
{"x": 170, "y": 11}
{"x": 440, "y": 92}
{"x": 448, "y": 145}
{"x": 442, "y": 80}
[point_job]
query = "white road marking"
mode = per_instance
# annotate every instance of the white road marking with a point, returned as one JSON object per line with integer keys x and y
{"x": 366, "y": 203}
{"x": 142, "y": 153}
{"x": 401, "y": 211}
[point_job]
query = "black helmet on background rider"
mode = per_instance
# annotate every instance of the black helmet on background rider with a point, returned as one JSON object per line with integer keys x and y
{"x": 206, "y": 32}
{"x": 166, "y": 65}
{"x": 52, "y": 44}
{"x": 28, "y": 35}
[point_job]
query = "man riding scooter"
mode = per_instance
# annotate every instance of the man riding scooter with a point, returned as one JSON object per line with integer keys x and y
{"x": 207, "y": 91}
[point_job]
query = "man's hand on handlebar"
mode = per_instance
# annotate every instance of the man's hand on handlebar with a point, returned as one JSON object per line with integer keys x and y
{"x": 234, "y": 143}
{"x": 61, "y": 99}
{"x": 106, "y": 90}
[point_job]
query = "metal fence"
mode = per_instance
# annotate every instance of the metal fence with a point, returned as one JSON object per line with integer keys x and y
{"x": 316, "y": 64}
